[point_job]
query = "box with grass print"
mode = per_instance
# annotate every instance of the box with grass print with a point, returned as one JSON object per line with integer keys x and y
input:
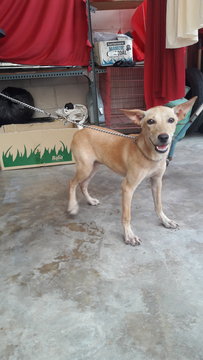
{"x": 27, "y": 146}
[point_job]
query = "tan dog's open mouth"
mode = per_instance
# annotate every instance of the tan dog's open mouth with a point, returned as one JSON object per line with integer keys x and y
{"x": 160, "y": 148}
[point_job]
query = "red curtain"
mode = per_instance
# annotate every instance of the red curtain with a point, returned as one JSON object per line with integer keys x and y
{"x": 138, "y": 23}
{"x": 44, "y": 32}
{"x": 164, "y": 72}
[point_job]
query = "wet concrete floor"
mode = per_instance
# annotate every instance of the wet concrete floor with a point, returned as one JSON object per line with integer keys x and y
{"x": 71, "y": 289}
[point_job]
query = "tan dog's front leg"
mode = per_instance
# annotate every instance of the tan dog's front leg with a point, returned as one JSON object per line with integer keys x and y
{"x": 156, "y": 185}
{"x": 127, "y": 194}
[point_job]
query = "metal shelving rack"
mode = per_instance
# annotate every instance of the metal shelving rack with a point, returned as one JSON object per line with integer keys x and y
{"x": 18, "y": 74}
{"x": 53, "y": 72}
{"x": 93, "y": 5}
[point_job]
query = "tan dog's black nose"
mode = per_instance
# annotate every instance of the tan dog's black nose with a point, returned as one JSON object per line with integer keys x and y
{"x": 163, "y": 138}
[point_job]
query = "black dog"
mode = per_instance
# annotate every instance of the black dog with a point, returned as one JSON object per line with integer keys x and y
{"x": 13, "y": 113}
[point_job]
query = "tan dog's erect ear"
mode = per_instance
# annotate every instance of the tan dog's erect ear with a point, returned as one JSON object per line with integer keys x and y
{"x": 135, "y": 115}
{"x": 182, "y": 109}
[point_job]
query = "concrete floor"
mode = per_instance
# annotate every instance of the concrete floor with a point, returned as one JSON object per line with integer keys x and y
{"x": 72, "y": 290}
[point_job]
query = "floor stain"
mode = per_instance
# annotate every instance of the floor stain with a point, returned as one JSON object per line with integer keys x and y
{"x": 62, "y": 258}
{"x": 13, "y": 228}
{"x": 77, "y": 227}
{"x": 91, "y": 229}
{"x": 94, "y": 230}
{"x": 77, "y": 253}
{"x": 14, "y": 277}
{"x": 46, "y": 268}
{"x": 54, "y": 266}
{"x": 114, "y": 212}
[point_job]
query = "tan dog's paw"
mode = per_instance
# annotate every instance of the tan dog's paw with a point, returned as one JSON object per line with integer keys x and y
{"x": 132, "y": 240}
{"x": 170, "y": 224}
{"x": 73, "y": 210}
{"x": 93, "y": 202}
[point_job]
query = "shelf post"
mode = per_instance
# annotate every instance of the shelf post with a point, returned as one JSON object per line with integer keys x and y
{"x": 92, "y": 73}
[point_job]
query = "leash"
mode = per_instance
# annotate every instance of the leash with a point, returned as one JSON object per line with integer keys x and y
{"x": 109, "y": 132}
{"x": 66, "y": 118}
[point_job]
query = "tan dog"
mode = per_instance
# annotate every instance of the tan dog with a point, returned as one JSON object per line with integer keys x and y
{"x": 144, "y": 157}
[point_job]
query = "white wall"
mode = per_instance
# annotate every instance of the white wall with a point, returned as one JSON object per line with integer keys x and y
{"x": 112, "y": 20}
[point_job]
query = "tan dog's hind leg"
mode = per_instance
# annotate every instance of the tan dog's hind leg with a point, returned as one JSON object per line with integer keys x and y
{"x": 156, "y": 186}
{"x": 84, "y": 187}
{"x": 82, "y": 173}
{"x": 127, "y": 194}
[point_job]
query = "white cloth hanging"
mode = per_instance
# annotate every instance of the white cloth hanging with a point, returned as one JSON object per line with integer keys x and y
{"x": 183, "y": 19}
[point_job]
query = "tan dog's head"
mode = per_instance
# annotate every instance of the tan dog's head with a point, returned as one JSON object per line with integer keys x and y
{"x": 158, "y": 124}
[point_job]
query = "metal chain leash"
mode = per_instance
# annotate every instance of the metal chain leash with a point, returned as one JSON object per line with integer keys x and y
{"x": 65, "y": 118}
{"x": 109, "y": 132}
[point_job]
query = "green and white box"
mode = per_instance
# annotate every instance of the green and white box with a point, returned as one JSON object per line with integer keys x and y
{"x": 108, "y": 52}
{"x": 34, "y": 145}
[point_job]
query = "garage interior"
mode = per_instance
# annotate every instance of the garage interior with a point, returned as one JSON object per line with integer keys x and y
{"x": 70, "y": 287}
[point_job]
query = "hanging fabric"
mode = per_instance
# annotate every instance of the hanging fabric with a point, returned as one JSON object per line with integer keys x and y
{"x": 45, "y": 32}
{"x": 138, "y": 23}
{"x": 183, "y": 19}
{"x": 164, "y": 69}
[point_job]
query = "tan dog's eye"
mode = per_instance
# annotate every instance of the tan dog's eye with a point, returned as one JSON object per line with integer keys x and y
{"x": 151, "y": 121}
{"x": 171, "y": 120}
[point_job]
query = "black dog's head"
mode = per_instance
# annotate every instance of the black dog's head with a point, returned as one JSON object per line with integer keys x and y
{"x": 14, "y": 113}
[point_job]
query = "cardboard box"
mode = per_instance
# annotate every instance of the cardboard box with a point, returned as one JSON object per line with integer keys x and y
{"x": 108, "y": 52}
{"x": 36, "y": 144}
